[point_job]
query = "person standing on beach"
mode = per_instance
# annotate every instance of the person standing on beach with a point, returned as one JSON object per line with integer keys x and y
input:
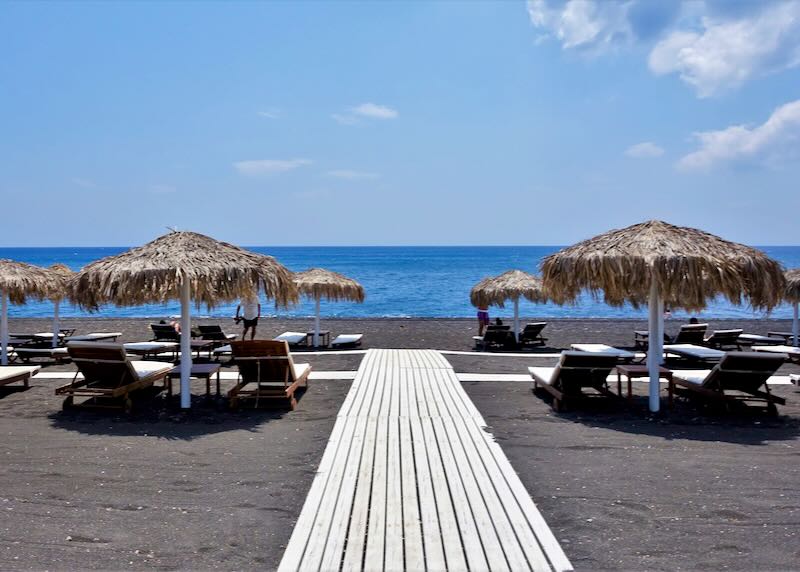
{"x": 251, "y": 311}
{"x": 483, "y": 319}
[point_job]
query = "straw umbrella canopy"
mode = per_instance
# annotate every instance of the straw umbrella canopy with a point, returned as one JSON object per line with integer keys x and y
{"x": 655, "y": 263}
{"x": 18, "y": 281}
{"x": 62, "y": 274}
{"x": 317, "y": 283}
{"x": 792, "y": 295}
{"x": 182, "y": 265}
{"x": 511, "y": 285}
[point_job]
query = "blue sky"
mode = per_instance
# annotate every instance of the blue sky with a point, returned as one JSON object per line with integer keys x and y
{"x": 397, "y": 123}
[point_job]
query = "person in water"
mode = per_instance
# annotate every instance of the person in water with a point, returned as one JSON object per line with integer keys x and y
{"x": 483, "y": 319}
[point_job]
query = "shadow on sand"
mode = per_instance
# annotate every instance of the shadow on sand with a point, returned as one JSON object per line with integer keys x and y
{"x": 154, "y": 416}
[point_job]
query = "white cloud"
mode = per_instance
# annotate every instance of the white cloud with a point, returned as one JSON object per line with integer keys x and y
{"x": 365, "y": 111}
{"x": 271, "y": 113}
{"x": 645, "y": 149}
{"x": 712, "y": 46}
{"x": 351, "y": 175}
{"x": 727, "y": 53}
{"x": 269, "y": 166}
{"x": 772, "y": 142}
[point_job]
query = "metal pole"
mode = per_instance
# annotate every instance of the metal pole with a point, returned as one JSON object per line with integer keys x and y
{"x": 516, "y": 319}
{"x": 795, "y": 328}
{"x": 316, "y": 323}
{"x": 186, "y": 347}
{"x": 3, "y": 327}
{"x": 655, "y": 341}
{"x": 55, "y": 322}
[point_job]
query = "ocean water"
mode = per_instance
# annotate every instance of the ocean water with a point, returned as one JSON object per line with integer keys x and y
{"x": 399, "y": 282}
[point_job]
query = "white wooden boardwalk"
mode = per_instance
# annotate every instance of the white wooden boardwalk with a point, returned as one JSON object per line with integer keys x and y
{"x": 410, "y": 480}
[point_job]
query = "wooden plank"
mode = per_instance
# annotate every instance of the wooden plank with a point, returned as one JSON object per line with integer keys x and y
{"x": 414, "y": 556}
{"x": 394, "y": 498}
{"x": 376, "y": 536}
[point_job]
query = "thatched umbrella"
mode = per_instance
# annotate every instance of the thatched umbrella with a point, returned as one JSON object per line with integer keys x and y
{"x": 18, "y": 281}
{"x": 511, "y": 285}
{"x": 317, "y": 283}
{"x": 793, "y": 296}
{"x": 657, "y": 263}
{"x": 184, "y": 266}
{"x": 62, "y": 275}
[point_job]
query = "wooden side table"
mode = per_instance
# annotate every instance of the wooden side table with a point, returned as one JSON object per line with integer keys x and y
{"x": 324, "y": 338}
{"x": 199, "y": 371}
{"x": 639, "y": 372}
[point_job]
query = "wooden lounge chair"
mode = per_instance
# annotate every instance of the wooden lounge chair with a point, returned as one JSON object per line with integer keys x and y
{"x": 624, "y": 356}
{"x": 94, "y": 337}
{"x": 14, "y": 373}
{"x": 495, "y": 339}
{"x": 792, "y": 353}
{"x": 152, "y": 349}
{"x": 215, "y": 333}
{"x": 531, "y": 335}
{"x": 756, "y": 339}
{"x": 724, "y": 339}
{"x": 109, "y": 376}
{"x": 164, "y": 333}
{"x": 739, "y": 376}
{"x": 268, "y": 365}
{"x": 688, "y": 334}
{"x": 347, "y": 340}
{"x": 292, "y": 338}
{"x": 574, "y": 372}
{"x": 694, "y": 353}
{"x": 41, "y": 350}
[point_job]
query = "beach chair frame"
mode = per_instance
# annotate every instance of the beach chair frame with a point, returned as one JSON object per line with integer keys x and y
{"x": 268, "y": 365}
{"x": 572, "y": 378}
{"x": 531, "y": 335}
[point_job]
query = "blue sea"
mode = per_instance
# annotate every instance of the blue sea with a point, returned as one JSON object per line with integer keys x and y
{"x": 399, "y": 281}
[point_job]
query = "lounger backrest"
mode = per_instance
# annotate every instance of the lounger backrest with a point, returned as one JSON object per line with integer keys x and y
{"x": 533, "y": 329}
{"x": 725, "y": 336}
{"x": 263, "y": 360}
{"x": 102, "y": 362}
{"x": 165, "y": 333}
{"x": 495, "y": 336}
{"x": 691, "y": 334}
{"x": 212, "y": 332}
{"x": 582, "y": 369}
{"x": 743, "y": 371}
{"x": 497, "y": 327}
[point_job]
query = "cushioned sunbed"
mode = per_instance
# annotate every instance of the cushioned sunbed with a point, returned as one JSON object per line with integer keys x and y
{"x": 12, "y": 373}
{"x": 791, "y": 352}
{"x": 604, "y": 349}
{"x": 690, "y": 351}
{"x": 347, "y": 340}
{"x": 94, "y": 337}
{"x": 291, "y": 338}
{"x": 146, "y": 349}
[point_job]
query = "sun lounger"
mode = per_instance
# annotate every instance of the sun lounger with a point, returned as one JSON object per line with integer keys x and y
{"x": 347, "y": 340}
{"x": 787, "y": 336}
{"x": 688, "y": 334}
{"x": 215, "y": 333}
{"x": 755, "y": 339}
{"x": 151, "y": 349}
{"x": 164, "y": 333}
{"x": 692, "y": 352}
{"x": 292, "y": 338}
{"x": 94, "y": 337}
{"x": 622, "y": 355}
{"x": 495, "y": 339}
{"x": 531, "y": 334}
{"x": 574, "y": 372}
{"x": 268, "y": 366}
{"x": 33, "y": 350}
{"x": 722, "y": 339}
{"x": 739, "y": 376}
{"x": 14, "y": 373}
{"x": 109, "y": 376}
{"x": 792, "y": 353}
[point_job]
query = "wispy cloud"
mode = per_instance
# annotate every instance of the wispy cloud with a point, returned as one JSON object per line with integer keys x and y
{"x": 269, "y": 166}
{"x": 351, "y": 174}
{"x": 646, "y": 149}
{"x": 365, "y": 111}
{"x": 713, "y": 46}
{"x": 84, "y": 183}
{"x": 772, "y": 142}
{"x": 271, "y": 113}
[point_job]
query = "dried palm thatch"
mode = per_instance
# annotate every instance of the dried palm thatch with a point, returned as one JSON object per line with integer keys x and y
{"x": 154, "y": 273}
{"x": 690, "y": 267}
{"x": 511, "y": 285}
{"x": 792, "y": 285}
{"x": 62, "y": 274}
{"x": 321, "y": 283}
{"x": 20, "y": 280}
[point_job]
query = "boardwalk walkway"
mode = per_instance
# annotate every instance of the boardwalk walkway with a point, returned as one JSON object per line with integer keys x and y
{"x": 411, "y": 481}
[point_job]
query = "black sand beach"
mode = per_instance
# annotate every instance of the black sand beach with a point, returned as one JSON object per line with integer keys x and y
{"x": 687, "y": 490}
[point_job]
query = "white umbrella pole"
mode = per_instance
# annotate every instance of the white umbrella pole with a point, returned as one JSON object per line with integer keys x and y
{"x": 55, "y": 322}
{"x": 655, "y": 342}
{"x": 516, "y": 319}
{"x": 4, "y": 327}
{"x": 795, "y": 328}
{"x": 316, "y": 323}
{"x": 186, "y": 347}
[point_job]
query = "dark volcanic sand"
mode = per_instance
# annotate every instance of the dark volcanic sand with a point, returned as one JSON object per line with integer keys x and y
{"x": 691, "y": 490}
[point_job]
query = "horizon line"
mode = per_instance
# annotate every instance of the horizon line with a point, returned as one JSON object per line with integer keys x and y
{"x": 363, "y": 246}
